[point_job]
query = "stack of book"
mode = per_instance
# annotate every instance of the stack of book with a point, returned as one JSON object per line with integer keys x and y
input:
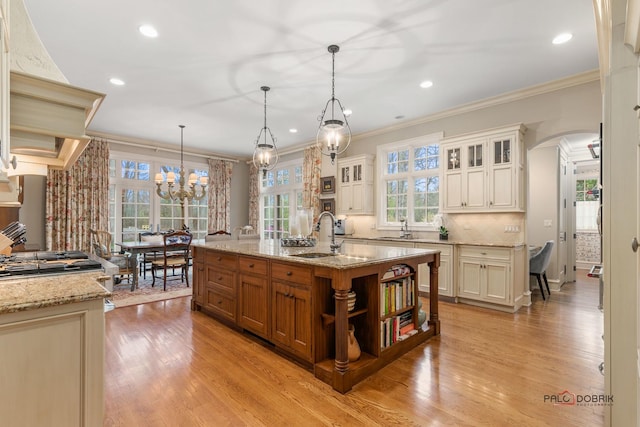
{"x": 396, "y": 295}
{"x": 396, "y": 328}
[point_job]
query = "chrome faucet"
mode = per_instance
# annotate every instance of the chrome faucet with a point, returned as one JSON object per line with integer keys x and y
{"x": 404, "y": 229}
{"x": 334, "y": 246}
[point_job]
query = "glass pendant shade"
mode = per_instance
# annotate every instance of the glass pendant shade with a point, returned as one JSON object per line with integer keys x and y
{"x": 334, "y": 133}
{"x": 265, "y": 154}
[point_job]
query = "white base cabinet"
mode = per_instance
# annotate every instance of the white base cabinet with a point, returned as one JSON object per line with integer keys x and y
{"x": 445, "y": 272}
{"x": 52, "y": 366}
{"x": 490, "y": 275}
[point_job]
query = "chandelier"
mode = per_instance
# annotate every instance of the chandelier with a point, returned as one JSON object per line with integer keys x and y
{"x": 265, "y": 155}
{"x": 194, "y": 188}
{"x": 334, "y": 133}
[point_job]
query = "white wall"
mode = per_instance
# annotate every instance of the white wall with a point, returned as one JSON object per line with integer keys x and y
{"x": 542, "y": 206}
{"x": 547, "y": 116}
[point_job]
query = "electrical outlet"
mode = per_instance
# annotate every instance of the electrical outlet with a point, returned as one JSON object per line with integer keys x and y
{"x": 547, "y": 223}
{"x": 507, "y": 228}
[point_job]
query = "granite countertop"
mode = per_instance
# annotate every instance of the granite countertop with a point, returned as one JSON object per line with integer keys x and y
{"x": 349, "y": 255}
{"x": 426, "y": 240}
{"x": 32, "y": 292}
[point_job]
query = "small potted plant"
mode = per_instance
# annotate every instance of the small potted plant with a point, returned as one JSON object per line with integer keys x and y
{"x": 444, "y": 233}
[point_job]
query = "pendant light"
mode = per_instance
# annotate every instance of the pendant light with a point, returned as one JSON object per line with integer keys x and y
{"x": 334, "y": 133}
{"x": 265, "y": 155}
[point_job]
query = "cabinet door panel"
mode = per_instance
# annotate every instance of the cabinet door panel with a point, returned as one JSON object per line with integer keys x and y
{"x": 253, "y": 303}
{"x": 280, "y": 314}
{"x": 475, "y": 188}
{"x": 301, "y": 317}
{"x": 501, "y": 187}
{"x": 453, "y": 188}
{"x": 497, "y": 282}
{"x": 470, "y": 279}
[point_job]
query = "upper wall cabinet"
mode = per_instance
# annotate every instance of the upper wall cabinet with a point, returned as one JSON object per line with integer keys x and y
{"x": 484, "y": 171}
{"x": 355, "y": 185}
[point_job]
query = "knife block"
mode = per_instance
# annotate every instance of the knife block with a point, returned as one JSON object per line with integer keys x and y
{"x": 5, "y": 245}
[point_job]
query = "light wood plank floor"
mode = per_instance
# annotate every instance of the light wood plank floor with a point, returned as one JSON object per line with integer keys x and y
{"x": 169, "y": 366}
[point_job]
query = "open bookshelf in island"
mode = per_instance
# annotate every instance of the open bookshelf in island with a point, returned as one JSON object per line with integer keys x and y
{"x": 315, "y": 301}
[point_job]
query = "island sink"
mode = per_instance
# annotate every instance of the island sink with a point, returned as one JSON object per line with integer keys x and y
{"x": 314, "y": 255}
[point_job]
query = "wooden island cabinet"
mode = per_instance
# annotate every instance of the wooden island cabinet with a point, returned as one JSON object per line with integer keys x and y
{"x": 297, "y": 300}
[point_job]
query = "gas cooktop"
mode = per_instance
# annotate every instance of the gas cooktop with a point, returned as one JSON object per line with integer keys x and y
{"x": 45, "y": 262}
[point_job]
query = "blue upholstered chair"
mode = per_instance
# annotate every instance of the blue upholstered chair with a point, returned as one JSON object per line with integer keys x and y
{"x": 538, "y": 264}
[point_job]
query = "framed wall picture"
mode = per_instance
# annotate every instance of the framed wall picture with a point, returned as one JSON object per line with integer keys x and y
{"x": 328, "y": 184}
{"x": 328, "y": 205}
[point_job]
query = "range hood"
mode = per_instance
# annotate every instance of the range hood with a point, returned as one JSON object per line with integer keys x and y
{"x": 48, "y": 121}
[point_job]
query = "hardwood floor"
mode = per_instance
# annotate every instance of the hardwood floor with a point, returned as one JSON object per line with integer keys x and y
{"x": 169, "y": 366}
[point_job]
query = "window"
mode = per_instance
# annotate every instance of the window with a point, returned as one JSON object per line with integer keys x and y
{"x": 587, "y": 203}
{"x": 134, "y": 206}
{"x": 409, "y": 179}
{"x": 281, "y": 198}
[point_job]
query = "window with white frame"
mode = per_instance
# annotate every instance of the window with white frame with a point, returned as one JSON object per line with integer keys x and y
{"x": 281, "y": 197}
{"x": 134, "y": 206}
{"x": 587, "y": 203}
{"x": 409, "y": 182}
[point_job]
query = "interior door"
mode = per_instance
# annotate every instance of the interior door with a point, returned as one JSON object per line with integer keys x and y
{"x": 562, "y": 220}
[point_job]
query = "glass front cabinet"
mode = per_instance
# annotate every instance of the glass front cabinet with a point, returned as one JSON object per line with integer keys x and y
{"x": 484, "y": 171}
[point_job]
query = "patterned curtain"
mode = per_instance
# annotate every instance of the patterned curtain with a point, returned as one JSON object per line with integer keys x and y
{"x": 219, "y": 194}
{"x": 311, "y": 169}
{"x": 254, "y": 196}
{"x": 78, "y": 199}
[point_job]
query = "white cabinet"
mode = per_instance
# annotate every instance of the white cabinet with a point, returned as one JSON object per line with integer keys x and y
{"x": 355, "y": 185}
{"x": 483, "y": 171}
{"x": 445, "y": 272}
{"x": 53, "y": 365}
{"x": 491, "y": 275}
{"x": 4, "y": 79}
{"x": 464, "y": 175}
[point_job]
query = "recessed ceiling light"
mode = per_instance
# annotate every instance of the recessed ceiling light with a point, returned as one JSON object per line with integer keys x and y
{"x": 347, "y": 112}
{"x": 293, "y": 130}
{"x": 426, "y": 84}
{"x": 562, "y": 38}
{"x": 148, "y": 30}
{"x": 399, "y": 117}
{"x": 116, "y": 81}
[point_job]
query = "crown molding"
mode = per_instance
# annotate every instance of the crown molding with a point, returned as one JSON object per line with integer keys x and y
{"x": 575, "y": 80}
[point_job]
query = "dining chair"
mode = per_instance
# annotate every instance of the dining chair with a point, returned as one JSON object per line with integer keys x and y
{"x": 148, "y": 257}
{"x": 101, "y": 246}
{"x": 175, "y": 254}
{"x": 538, "y": 264}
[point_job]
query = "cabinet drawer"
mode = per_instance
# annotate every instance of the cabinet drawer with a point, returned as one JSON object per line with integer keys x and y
{"x": 445, "y": 250}
{"x": 252, "y": 265}
{"x": 221, "y": 280}
{"x": 291, "y": 273}
{"x": 221, "y": 303}
{"x": 485, "y": 252}
{"x": 221, "y": 260}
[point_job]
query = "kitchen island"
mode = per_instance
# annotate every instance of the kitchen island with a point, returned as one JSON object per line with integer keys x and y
{"x": 52, "y": 349}
{"x": 297, "y": 299}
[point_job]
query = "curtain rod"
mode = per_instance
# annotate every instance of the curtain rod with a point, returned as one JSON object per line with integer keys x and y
{"x": 157, "y": 148}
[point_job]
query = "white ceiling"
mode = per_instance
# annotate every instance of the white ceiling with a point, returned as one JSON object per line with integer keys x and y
{"x": 205, "y": 68}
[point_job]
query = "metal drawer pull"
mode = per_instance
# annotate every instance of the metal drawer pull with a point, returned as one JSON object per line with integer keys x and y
{"x": 289, "y": 273}
{"x": 251, "y": 265}
{"x": 634, "y": 244}
{"x": 219, "y": 258}
{"x": 219, "y": 277}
